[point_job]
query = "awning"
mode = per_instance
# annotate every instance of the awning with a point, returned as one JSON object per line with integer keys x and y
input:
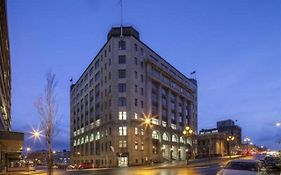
{"x": 11, "y": 143}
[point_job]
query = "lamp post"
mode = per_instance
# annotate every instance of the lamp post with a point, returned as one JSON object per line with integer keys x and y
{"x": 188, "y": 132}
{"x": 148, "y": 124}
{"x": 278, "y": 124}
{"x": 229, "y": 140}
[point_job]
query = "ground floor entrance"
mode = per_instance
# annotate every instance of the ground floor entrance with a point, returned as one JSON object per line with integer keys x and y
{"x": 123, "y": 161}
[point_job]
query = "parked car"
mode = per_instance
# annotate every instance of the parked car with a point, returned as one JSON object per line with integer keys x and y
{"x": 273, "y": 163}
{"x": 243, "y": 167}
{"x": 85, "y": 166}
{"x": 71, "y": 167}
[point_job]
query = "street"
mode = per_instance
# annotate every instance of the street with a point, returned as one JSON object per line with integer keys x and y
{"x": 210, "y": 167}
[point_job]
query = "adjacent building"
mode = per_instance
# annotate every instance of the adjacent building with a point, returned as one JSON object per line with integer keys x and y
{"x": 129, "y": 106}
{"x": 10, "y": 142}
{"x": 230, "y": 128}
{"x": 213, "y": 142}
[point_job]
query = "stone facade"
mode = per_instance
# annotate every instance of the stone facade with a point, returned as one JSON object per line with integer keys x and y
{"x": 124, "y": 84}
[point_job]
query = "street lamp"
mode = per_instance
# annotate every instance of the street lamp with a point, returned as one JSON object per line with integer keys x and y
{"x": 229, "y": 140}
{"x": 36, "y": 134}
{"x": 188, "y": 132}
{"x": 278, "y": 124}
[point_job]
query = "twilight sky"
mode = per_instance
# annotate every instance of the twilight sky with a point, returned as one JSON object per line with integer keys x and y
{"x": 234, "y": 45}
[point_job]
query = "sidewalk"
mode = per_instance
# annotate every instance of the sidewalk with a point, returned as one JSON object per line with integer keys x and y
{"x": 24, "y": 172}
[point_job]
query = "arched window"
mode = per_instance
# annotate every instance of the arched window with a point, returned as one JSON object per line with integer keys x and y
{"x": 182, "y": 139}
{"x": 98, "y": 135}
{"x": 92, "y": 137}
{"x": 155, "y": 135}
{"x": 174, "y": 138}
{"x": 165, "y": 137}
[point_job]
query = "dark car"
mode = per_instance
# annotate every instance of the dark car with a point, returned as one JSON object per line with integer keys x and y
{"x": 273, "y": 163}
{"x": 85, "y": 166}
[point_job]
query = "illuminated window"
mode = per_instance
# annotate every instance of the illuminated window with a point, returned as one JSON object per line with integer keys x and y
{"x": 155, "y": 135}
{"x": 74, "y": 133}
{"x": 142, "y": 147}
{"x": 136, "y": 145}
{"x": 78, "y": 142}
{"x": 174, "y": 138}
{"x": 142, "y": 132}
{"x": 182, "y": 140}
{"x": 136, "y": 131}
{"x": 165, "y": 137}
{"x": 74, "y": 143}
{"x": 86, "y": 139}
{"x": 122, "y": 144}
{"x": 136, "y": 115}
{"x": 173, "y": 126}
{"x": 122, "y": 131}
{"x": 82, "y": 130}
{"x": 155, "y": 121}
{"x": 164, "y": 123}
{"x": 82, "y": 140}
{"x": 92, "y": 138}
{"x": 98, "y": 135}
{"x": 122, "y": 115}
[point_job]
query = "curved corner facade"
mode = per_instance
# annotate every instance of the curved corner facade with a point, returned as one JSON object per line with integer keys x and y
{"x": 125, "y": 84}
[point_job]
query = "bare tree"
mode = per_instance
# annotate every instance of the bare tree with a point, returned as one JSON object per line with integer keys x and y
{"x": 47, "y": 108}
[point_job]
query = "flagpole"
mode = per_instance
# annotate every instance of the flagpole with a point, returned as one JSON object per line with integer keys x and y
{"x": 121, "y": 17}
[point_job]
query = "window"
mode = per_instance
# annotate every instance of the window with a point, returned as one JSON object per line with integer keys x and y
{"x": 122, "y": 115}
{"x": 122, "y": 59}
{"x": 86, "y": 139}
{"x": 174, "y": 138}
{"x": 97, "y": 76}
{"x": 142, "y": 91}
{"x": 136, "y": 75}
{"x": 142, "y": 132}
{"x": 136, "y": 88}
{"x": 142, "y": 147}
{"x": 109, "y": 48}
{"x": 122, "y": 144}
{"x": 97, "y": 64}
{"x": 136, "y": 61}
{"x": 121, "y": 101}
{"x": 136, "y": 47}
{"x": 122, "y": 87}
{"x": 122, "y": 45}
{"x": 136, "y": 131}
{"x": 98, "y": 135}
{"x": 122, "y": 73}
{"x": 92, "y": 138}
{"x": 142, "y": 104}
{"x": 122, "y": 131}
{"x": 141, "y": 51}
{"x": 136, "y": 145}
{"x": 165, "y": 137}
{"x": 136, "y": 102}
{"x": 155, "y": 135}
{"x": 136, "y": 115}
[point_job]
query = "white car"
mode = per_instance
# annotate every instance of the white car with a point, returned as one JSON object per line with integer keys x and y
{"x": 243, "y": 167}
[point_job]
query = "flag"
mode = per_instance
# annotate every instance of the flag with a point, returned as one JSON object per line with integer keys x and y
{"x": 193, "y": 72}
{"x": 112, "y": 148}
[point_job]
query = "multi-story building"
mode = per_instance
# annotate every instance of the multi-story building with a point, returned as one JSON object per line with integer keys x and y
{"x": 229, "y": 127}
{"x": 211, "y": 143}
{"x": 129, "y": 107}
{"x": 10, "y": 142}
